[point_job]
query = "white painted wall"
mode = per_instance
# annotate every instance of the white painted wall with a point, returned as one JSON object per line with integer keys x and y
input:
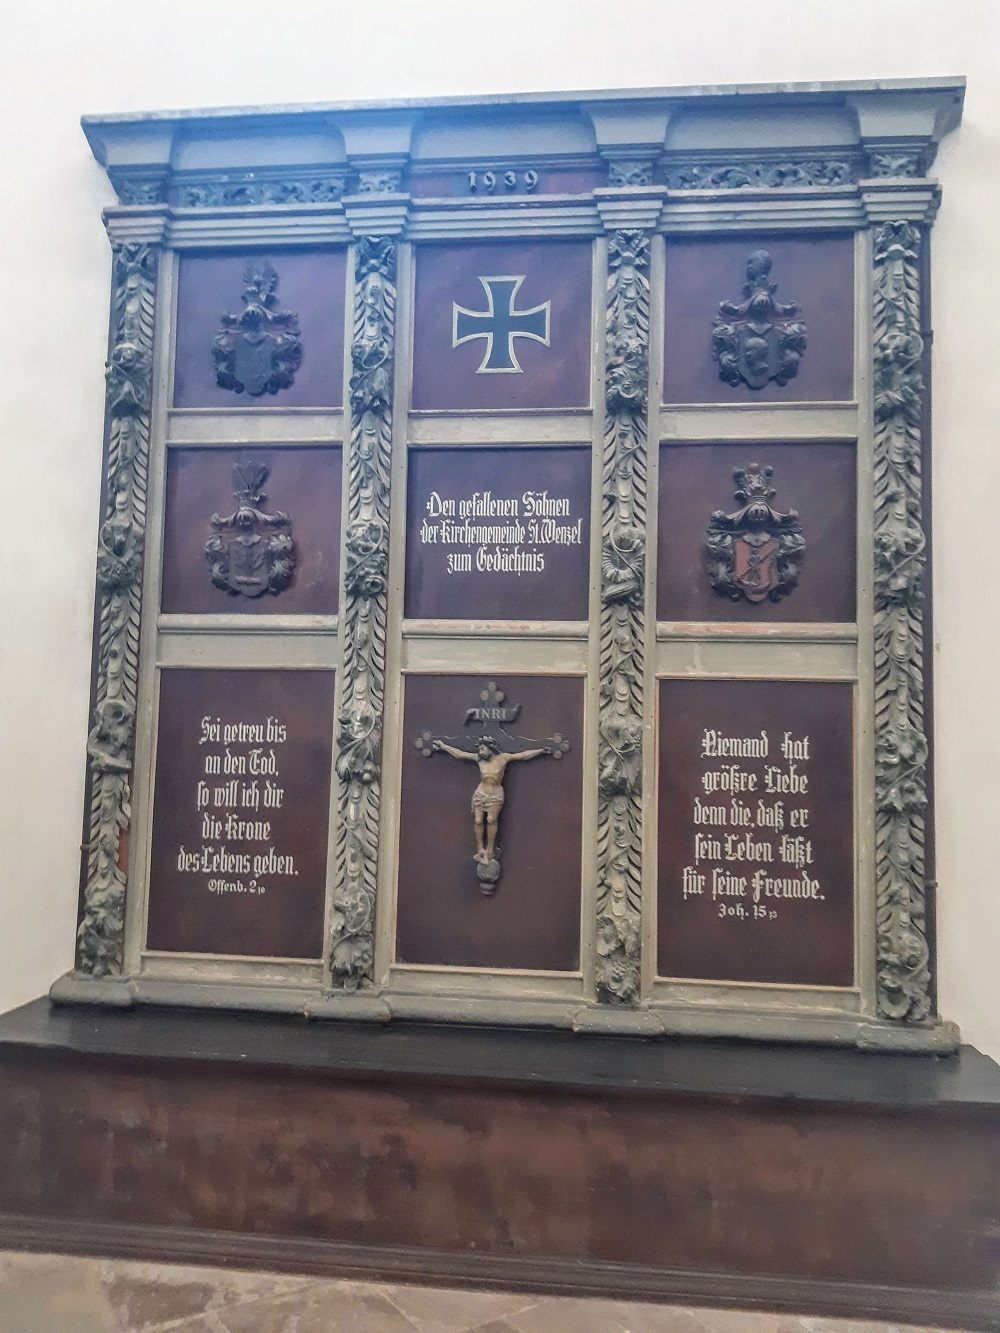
{"x": 59, "y": 60}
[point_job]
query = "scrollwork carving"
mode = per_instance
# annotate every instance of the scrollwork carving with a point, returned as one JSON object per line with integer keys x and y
{"x": 903, "y": 973}
{"x": 101, "y": 931}
{"x": 250, "y": 191}
{"x": 623, "y": 572}
{"x": 757, "y": 175}
{"x": 359, "y": 728}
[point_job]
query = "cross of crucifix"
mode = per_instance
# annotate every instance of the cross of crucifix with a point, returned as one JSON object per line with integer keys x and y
{"x": 492, "y": 748}
{"x": 500, "y": 324}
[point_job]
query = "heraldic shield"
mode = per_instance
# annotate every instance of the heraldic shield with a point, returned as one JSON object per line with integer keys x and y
{"x": 754, "y": 553}
{"x": 258, "y": 350}
{"x": 251, "y": 552}
{"x": 758, "y": 339}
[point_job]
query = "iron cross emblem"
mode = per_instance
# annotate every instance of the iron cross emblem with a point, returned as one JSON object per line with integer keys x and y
{"x": 499, "y": 324}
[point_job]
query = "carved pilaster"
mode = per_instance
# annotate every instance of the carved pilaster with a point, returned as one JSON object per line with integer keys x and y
{"x": 623, "y": 577}
{"x": 359, "y": 758}
{"x": 903, "y": 977}
{"x": 110, "y": 745}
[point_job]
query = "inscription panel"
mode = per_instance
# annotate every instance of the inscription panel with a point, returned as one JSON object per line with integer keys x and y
{"x": 756, "y": 844}
{"x": 304, "y": 485}
{"x": 498, "y": 534}
{"x": 447, "y": 911}
{"x": 816, "y": 482}
{"x": 242, "y": 789}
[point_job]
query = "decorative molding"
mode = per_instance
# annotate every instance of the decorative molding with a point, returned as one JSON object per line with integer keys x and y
{"x": 100, "y": 937}
{"x": 259, "y": 349}
{"x": 900, "y": 161}
{"x": 754, "y": 553}
{"x": 623, "y": 573}
{"x": 758, "y": 339}
{"x": 627, "y": 172}
{"x": 366, "y": 549}
{"x": 751, "y": 175}
{"x": 251, "y": 552}
{"x": 903, "y": 955}
{"x": 379, "y": 181}
{"x": 252, "y": 190}
{"x": 139, "y": 189}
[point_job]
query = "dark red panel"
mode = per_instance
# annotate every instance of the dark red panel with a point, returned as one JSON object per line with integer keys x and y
{"x": 706, "y": 928}
{"x": 557, "y": 375}
{"x": 533, "y": 918}
{"x": 239, "y": 892}
{"x": 816, "y": 480}
{"x": 519, "y": 517}
{"x": 815, "y": 271}
{"x": 311, "y": 283}
{"x": 303, "y": 483}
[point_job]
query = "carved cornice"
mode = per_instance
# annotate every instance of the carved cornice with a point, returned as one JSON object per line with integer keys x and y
{"x": 359, "y": 725}
{"x": 903, "y": 976}
{"x": 100, "y": 937}
{"x": 623, "y": 579}
{"x": 756, "y": 174}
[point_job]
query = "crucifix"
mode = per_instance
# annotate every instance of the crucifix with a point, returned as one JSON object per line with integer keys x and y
{"x": 492, "y": 748}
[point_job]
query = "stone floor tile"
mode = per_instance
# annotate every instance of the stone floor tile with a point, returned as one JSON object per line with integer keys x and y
{"x": 148, "y": 1296}
{"x": 41, "y": 1293}
{"x": 312, "y": 1311}
{"x": 449, "y": 1310}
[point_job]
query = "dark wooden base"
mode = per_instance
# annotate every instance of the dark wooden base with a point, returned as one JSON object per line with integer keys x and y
{"x": 779, "y": 1177}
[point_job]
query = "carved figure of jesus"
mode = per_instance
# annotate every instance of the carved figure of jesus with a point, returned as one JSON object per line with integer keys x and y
{"x": 488, "y": 798}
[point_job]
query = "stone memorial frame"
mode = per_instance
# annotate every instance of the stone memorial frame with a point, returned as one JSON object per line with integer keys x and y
{"x": 364, "y": 188}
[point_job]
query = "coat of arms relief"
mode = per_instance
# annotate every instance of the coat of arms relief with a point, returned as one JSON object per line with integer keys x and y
{"x": 758, "y": 339}
{"x": 250, "y": 551}
{"x": 755, "y": 552}
{"x": 258, "y": 350}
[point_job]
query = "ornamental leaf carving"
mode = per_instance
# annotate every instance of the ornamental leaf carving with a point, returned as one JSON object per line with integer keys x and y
{"x": 623, "y": 566}
{"x": 247, "y": 191}
{"x": 903, "y": 954}
{"x": 100, "y": 937}
{"x": 359, "y": 724}
{"x": 756, "y": 175}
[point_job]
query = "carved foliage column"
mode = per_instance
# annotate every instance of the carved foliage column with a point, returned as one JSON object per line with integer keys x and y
{"x": 903, "y": 977}
{"x": 110, "y": 746}
{"x": 364, "y": 610}
{"x": 623, "y": 564}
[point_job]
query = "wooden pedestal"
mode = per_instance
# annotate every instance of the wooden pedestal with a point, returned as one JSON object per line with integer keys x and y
{"x": 780, "y": 1177}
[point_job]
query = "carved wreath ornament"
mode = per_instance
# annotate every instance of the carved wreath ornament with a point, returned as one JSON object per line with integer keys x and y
{"x": 758, "y": 339}
{"x": 258, "y": 350}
